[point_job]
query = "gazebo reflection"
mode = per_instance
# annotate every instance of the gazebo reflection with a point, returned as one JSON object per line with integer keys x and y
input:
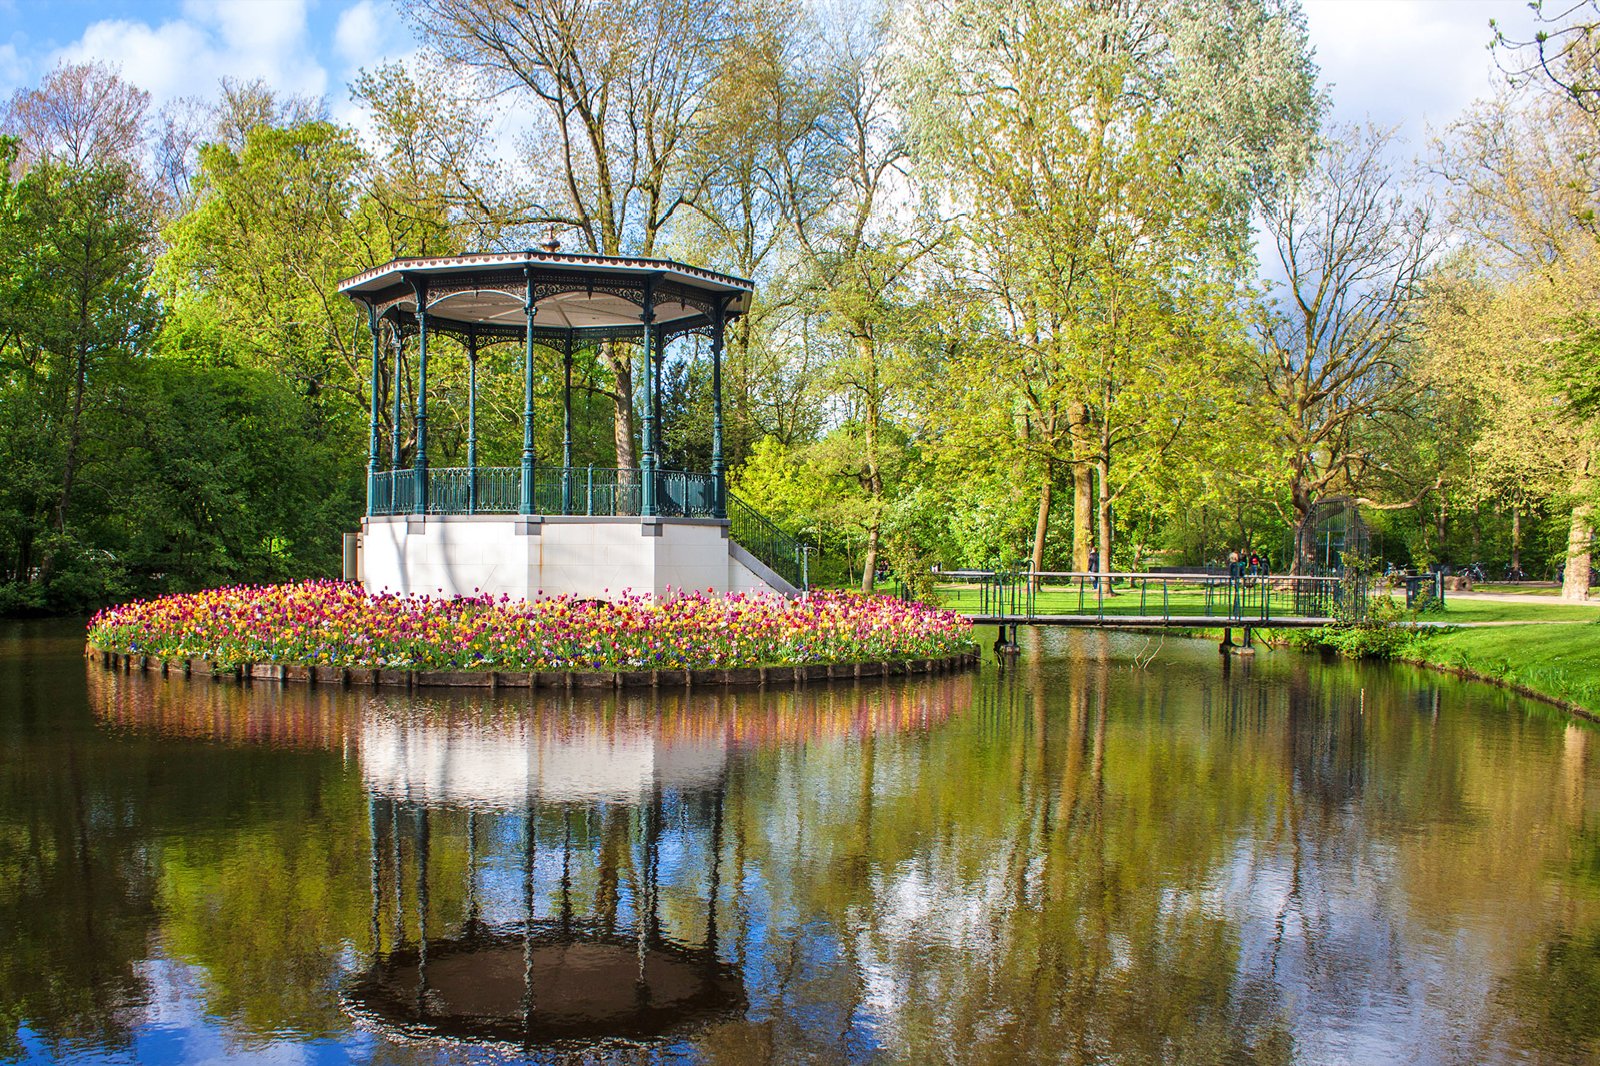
{"x": 558, "y": 828}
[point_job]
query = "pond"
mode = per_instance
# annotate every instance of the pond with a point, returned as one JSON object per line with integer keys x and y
{"x": 1081, "y": 856}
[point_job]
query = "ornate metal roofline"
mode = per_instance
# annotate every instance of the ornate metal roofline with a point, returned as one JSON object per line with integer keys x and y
{"x": 551, "y": 336}
{"x": 560, "y": 262}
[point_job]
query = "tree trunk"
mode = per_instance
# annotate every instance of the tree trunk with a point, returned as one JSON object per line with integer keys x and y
{"x": 1305, "y": 534}
{"x": 872, "y": 475}
{"x": 869, "y": 564}
{"x": 1440, "y": 521}
{"x": 622, "y": 425}
{"x": 80, "y": 381}
{"x": 1516, "y": 538}
{"x": 1043, "y": 524}
{"x": 1103, "y": 469}
{"x": 1575, "y": 581}
{"x": 1082, "y": 489}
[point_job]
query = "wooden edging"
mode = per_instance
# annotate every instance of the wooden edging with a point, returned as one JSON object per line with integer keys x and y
{"x": 548, "y": 679}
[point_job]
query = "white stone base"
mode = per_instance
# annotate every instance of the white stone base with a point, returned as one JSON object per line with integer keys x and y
{"x": 535, "y": 557}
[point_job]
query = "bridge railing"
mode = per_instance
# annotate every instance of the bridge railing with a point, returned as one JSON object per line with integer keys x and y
{"x": 1164, "y": 596}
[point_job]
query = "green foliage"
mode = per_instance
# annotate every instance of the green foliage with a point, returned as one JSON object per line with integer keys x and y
{"x": 261, "y": 253}
{"x": 75, "y": 320}
{"x": 229, "y": 477}
{"x": 1387, "y": 630}
{"x": 146, "y": 452}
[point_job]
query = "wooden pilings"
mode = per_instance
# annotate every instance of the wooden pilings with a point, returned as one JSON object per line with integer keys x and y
{"x": 546, "y": 679}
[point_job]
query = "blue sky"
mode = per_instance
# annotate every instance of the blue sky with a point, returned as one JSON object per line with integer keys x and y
{"x": 1411, "y": 63}
{"x": 172, "y": 49}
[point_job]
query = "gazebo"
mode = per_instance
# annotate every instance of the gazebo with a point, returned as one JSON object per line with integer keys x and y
{"x": 541, "y": 528}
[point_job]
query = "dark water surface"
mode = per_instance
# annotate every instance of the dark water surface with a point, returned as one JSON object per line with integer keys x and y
{"x": 1070, "y": 859}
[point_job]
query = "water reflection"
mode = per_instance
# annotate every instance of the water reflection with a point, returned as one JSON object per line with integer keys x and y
{"x": 1068, "y": 859}
{"x": 543, "y": 868}
{"x": 598, "y": 800}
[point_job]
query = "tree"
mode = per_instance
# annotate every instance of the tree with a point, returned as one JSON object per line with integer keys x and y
{"x": 1333, "y": 356}
{"x": 843, "y": 191}
{"x": 262, "y": 252}
{"x": 621, "y": 87}
{"x": 184, "y": 125}
{"x": 1526, "y": 188}
{"x": 81, "y": 115}
{"x": 434, "y": 187}
{"x": 1078, "y": 146}
{"x": 766, "y": 105}
{"x": 1562, "y": 51}
{"x": 74, "y": 314}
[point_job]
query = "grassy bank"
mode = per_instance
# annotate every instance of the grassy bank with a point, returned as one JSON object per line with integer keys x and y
{"x": 1560, "y": 662}
{"x": 1547, "y": 650}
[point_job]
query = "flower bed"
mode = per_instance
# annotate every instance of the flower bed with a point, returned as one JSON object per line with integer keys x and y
{"x": 334, "y": 624}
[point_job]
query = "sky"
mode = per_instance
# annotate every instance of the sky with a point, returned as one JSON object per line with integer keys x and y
{"x": 1411, "y": 64}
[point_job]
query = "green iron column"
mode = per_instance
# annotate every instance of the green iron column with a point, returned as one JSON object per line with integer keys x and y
{"x": 719, "y": 474}
{"x": 372, "y": 421}
{"x": 527, "y": 397}
{"x": 647, "y": 491}
{"x": 394, "y": 426}
{"x": 419, "y": 286}
{"x": 566, "y": 426}
{"x": 472, "y": 420}
{"x": 660, "y": 350}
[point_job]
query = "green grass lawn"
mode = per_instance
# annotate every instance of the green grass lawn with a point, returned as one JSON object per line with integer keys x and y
{"x": 1561, "y": 661}
{"x": 1537, "y": 609}
{"x": 1514, "y": 589}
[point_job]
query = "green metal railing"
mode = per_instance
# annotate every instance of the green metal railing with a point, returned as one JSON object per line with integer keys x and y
{"x": 756, "y": 534}
{"x": 392, "y": 492}
{"x": 682, "y": 494}
{"x": 589, "y": 490}
{"x": 599, "y": 491}
{"x": 1022, "y": 594}
{"x": 461, "y": 490}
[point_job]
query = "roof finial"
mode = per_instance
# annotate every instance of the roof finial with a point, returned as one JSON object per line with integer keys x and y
{"x": 552, "y": 243}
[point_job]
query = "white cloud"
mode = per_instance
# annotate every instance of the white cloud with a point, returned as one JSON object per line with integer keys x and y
{"x": 360, "y": 36}
{"x": 215, "y": 39}
{"x": 161, "y": 61}
{"x": 1406, "y": 63}
{"x": 367, "y": 34}
{"x": 13, "y": 71}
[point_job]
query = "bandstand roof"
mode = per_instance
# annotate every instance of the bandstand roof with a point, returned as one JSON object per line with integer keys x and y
{"x": 586, "y": 295}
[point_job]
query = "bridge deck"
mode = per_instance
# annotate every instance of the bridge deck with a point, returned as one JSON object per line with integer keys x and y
{"x": 1145, "y": 621}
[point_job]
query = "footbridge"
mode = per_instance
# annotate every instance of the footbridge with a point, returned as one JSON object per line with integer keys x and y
{"x": 1178, "y": 600}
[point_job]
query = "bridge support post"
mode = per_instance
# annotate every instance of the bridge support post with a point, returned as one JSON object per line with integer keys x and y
{"x": 1227, "y": 644}
{"x": 1004, "y": 646}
